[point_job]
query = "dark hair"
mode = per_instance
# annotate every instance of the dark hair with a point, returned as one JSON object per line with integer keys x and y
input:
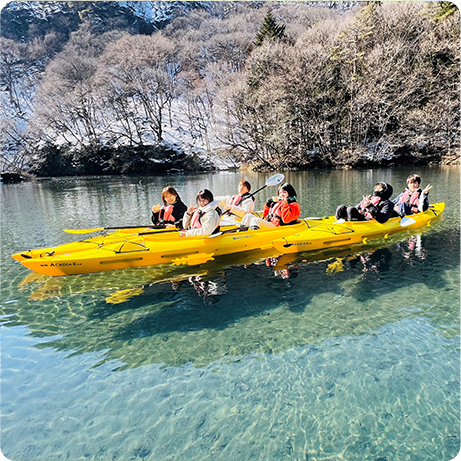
{"x": 289, "y": 189}
{"x": 245, "y": 183}
{"x": 204, "y": 194}
{"x": 414, "y": 177}
{"x": 386, "y": 192}
{"x": 169, "y": 190}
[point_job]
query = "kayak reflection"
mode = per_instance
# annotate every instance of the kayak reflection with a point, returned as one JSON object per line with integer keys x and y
{"x": 203, "y": 314}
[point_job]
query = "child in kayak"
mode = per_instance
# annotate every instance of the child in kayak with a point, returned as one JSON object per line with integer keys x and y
{"x": 240, "y": 204}
{"x": 171, "y": 212}
{"x": 204, "y": 219}
{"x": 412, "y": 200}
{"x": 376, "y": 206}
{"x": 282, "y": 212}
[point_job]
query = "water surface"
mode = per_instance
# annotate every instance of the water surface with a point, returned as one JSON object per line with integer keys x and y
{"x": 353, "y": 356}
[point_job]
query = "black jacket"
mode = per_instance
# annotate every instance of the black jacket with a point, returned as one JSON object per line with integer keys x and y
{"x": 179, "y": 208}
{"x": 384, "y": 209}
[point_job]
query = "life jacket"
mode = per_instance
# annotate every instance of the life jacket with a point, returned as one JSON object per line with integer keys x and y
{"x": 195, "y": 221}
{"x": 166, "y": 213}
{"x": 238, "y": 199}
{"x": 274, "y": 215}
{"x": 412, "y": 199}
{"x": 374, "y": 200}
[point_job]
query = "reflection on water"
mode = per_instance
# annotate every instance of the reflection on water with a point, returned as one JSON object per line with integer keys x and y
{"x": 348, "y": 355}
{"x": 173, "y": 316}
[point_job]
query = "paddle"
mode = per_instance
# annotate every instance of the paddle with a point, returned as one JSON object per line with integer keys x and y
{"x": 96, "y": 229}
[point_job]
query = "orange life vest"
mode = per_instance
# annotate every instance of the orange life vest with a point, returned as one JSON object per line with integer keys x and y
{"x": 166, "y": 213}
{"x": 412, "y": 198}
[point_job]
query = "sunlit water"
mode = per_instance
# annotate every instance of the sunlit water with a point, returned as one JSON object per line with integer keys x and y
{"x": 355, "y": 357}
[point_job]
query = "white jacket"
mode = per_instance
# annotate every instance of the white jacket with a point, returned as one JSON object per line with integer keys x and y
{"x": 209, "y": 220}
{"x": 245, "y": 206}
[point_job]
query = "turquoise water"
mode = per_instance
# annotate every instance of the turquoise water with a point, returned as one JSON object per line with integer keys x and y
{"x": 354, "y": 357}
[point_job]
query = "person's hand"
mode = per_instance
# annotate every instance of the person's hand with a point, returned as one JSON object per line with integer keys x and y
{"x": 228, "y": 208}
{"x": 156, "y": 208}
{"x": 367, "y": 200}
{"x": 427, "y": 189}
{"x": 170, "y": 226}
{"x": 191, "y": 208}
{"x": 269, "y": 202}
{"x": 396, "y": 207}
{"x": 182, "y": 233}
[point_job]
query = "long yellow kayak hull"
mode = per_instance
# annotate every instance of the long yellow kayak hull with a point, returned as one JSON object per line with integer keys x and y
{"x": 341, "y": 233}
{"x": 117, "y": 251}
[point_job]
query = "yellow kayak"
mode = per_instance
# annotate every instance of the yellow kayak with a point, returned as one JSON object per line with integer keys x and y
{"x": 121, "y": 251}
{"x": 341, "y": 233}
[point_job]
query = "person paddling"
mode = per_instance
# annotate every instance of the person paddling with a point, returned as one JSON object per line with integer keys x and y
{"x": 412, "y": 200}
{"x": 282, "y": 212}
{"x": 376, "y": 206}
{"x": 239, "y": 204}
{"x": 204, "y": 219}
{"x": 171, "y": 212}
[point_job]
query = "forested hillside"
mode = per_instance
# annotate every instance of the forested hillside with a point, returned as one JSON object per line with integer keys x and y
{"x": 103, "y": 89}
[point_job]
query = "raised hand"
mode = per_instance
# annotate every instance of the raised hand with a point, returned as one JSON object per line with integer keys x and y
{"x": 427, "y": 189}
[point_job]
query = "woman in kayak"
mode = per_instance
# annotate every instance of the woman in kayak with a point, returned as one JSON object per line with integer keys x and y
{"x": 412, "y": 200}
{"x": 171, "y": 212}
{"x": 376, "y": 206}
{"x": 204, "y": 219}
{"x": 282, "y": 212}
{"x": 240, "y": 204}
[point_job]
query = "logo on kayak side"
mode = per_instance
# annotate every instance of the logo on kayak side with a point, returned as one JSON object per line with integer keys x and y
{"x": 242, "y": 237}
{"x": 60, "y": 264}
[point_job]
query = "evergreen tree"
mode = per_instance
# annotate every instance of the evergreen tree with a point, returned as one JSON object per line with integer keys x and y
{"x": 270, "y": 30}
{"x": 445, "y": 9}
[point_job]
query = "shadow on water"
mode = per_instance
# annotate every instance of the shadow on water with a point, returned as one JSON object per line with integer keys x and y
{"x": 265, "y": 304}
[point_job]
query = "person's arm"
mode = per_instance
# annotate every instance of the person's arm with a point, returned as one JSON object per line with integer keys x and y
{"x": 223, "y": 200}
{"x": 396, "y": 200}
{"x": 423, "y": 204}
{"x": 178, "y": 212}
{"x": 186, "y": 219}
{"x": 267, "y": 206}
{"x": 246, "y": 206}
{"x": 289, "y": 211}
{"x": 155, "y": 216}
{"x": 383, "y": 212}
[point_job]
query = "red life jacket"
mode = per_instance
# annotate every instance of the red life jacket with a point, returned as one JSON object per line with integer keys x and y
{"x": 273, "y": 215}
{"x": 166, "y": 213}
{"x": 197, "y": 216}
{"x": 195, "y": 220}
{"x": 374, "y": 200}
{"x": 236, "y": 199}
{"x": 412, "y": 198}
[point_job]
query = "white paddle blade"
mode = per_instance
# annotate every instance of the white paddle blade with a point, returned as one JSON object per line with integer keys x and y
{"x": 404, "y": 222}
{"x": 274, "y": 180}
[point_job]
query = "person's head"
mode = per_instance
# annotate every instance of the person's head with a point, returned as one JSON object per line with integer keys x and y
{"x": 204, "y": 197}
{"x": 383, "y": 190}
{"x": 169, "y": 195}
{"x": 287, "y": 190}
{"x": 244, "y": 187}
{"x": 413, "y": 182}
